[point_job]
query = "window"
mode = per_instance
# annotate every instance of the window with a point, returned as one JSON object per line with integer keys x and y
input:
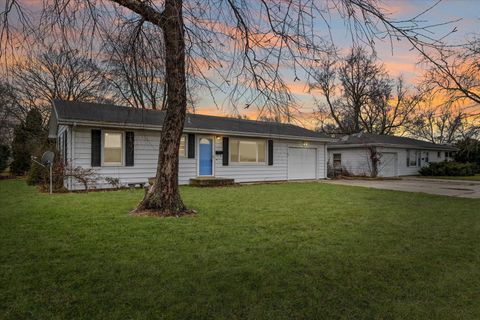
{"x": 112, "y": 148}
{"x": 439, "y": 154}
{"x": 337, "y": 160}
{"x": 182, "y": 150}
{"x": 426, "y": 158}
{"x": 247, "y": 151}
{"x": 412, "y": 156}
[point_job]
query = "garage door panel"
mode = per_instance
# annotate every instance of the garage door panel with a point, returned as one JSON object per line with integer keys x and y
{"x": 302, "y": 163}
{"x": 388, "y": 165}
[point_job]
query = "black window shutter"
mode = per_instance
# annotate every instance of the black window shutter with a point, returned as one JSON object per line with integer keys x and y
{"x": 191, "y": 146}
{"x": 270, "y": 152}
{"x": 129, "y": 148}
{"x": 65, "y": 145}
{"x": 225, "y": 151}
{"x": 96, "y": 148}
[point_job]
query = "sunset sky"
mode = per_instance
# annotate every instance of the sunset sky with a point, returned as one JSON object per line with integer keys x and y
{"x": 399, "y": 60}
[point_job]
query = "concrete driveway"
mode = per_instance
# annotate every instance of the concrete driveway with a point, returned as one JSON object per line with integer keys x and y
{"x": 464, "y": 189}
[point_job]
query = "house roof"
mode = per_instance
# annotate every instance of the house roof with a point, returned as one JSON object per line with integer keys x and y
{"x": 96, "y": 114}
{"x": 369, "y": 139}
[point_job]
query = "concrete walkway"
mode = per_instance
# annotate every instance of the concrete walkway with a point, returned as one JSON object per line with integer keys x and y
{"x": 453, "y": 188}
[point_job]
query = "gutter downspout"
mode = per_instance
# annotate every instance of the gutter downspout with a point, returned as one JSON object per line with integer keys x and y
{"x": 325, "y": 162}
{"x": 72, "y": 153}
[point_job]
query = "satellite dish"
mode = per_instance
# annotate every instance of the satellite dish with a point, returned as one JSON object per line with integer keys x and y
{"x": 47, "y": 158}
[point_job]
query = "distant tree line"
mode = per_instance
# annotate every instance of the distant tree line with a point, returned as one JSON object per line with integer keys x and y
{"x": 356, "y": 94}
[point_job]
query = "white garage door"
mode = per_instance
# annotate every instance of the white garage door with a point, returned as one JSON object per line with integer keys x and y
{"x": 388, "y": 165}
{"x": 302, "y": 163}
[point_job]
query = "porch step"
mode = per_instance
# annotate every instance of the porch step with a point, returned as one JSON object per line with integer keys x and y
{"x": 211, "y": 181}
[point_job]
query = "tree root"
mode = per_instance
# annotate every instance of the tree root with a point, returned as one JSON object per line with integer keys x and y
{"x": 162, "y": 213}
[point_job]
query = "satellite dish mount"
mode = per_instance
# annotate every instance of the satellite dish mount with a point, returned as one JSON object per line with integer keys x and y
{"x": 46, "y": 162}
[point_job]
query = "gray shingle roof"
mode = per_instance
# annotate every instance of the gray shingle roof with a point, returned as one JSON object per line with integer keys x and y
{"x": 369, "y": 139}
{"x": 68, "y": 111}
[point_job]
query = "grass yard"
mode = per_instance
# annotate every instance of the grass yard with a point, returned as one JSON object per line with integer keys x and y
{"x": 468, "y": 178}
{"x": 283, "y": 251}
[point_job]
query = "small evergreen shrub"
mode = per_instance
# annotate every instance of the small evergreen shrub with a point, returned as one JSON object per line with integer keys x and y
{"x": 4, "y": 157}
{"x": 449, "y": 168}
{"x": 36, "y": 175}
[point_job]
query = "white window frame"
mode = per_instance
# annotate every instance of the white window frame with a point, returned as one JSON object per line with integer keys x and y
{"x": 122, "y": 143}
{"x": 248, "y": 163}
{"x": 409, "y": 158}
{"x": 186, "y": 147}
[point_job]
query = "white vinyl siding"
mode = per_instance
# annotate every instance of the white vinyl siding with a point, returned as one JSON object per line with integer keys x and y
{"x": 146, "y": 156}
{"x": 68, "y": 182}
{"x": 357, "y": 160}
{"x": 337, "y": 160}
{"x": 276, "y": 172}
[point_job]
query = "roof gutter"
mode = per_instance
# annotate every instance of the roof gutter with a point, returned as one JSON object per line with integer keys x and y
{"x": 389, "y": 145}
{"x": 187, "y": 129}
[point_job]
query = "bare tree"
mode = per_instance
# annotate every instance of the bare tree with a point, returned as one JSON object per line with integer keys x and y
{"x": 360, "y": 96}
{"x": 8, "y": 113}
{"x": 455, "y": 71}
{"x": 136, "y": 66}
{"x": 439, "y": 121}
{"x": 56, "y": 73}
{"x": 392, "y": 107}
{"x": 246, "y": 44}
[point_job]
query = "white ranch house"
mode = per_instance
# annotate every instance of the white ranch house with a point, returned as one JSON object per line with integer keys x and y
{"x": 123, "y": 143}
{"x": 399, "y": 156}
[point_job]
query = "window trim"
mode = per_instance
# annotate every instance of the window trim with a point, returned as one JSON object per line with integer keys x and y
{"x": 416, "y": 157}
{"x": 243, "y": 163}
{"x": 185, "y": 155}
{"x": 122, "y": 153}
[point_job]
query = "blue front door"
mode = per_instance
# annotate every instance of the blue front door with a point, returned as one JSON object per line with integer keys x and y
{"x": 205, "y": 158}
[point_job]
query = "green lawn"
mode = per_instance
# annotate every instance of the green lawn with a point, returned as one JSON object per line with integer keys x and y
{"x": 282, "y": 251}
{"x": 468, "y": 178}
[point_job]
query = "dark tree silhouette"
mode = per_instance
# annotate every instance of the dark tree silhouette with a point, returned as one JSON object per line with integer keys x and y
{"x": 360, "y": 96}
{"x": 55, "y": 72}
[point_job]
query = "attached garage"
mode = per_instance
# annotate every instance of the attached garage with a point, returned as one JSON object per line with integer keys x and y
{"x": 388, "y": 164}
{"x": 302, "y": 163}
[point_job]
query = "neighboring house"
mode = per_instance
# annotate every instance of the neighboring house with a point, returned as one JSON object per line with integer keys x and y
{"x": 398, "y": 156}
{"x": 123, "y": 143}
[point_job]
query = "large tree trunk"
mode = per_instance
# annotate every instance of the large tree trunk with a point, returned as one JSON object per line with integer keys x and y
{"x": 163, "y": 197}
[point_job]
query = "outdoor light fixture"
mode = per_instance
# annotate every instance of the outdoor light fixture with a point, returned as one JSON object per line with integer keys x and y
{"x": 305, "y": 143}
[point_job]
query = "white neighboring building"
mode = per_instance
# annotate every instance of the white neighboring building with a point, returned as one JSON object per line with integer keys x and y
{"x": 399, "y": 156}
{"x": 123, "y": 143}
